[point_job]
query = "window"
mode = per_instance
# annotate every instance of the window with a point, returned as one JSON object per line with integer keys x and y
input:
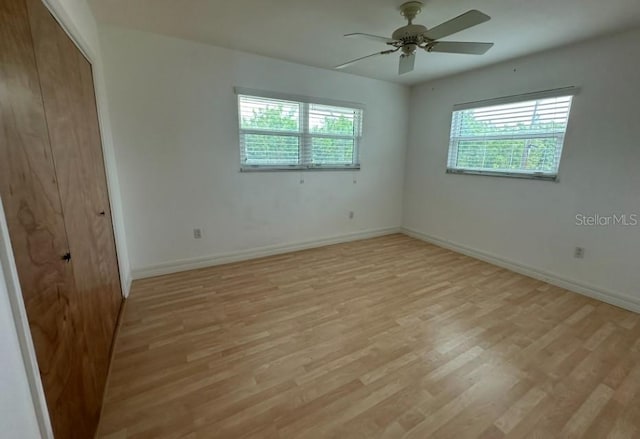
{"x": 520, "y": 136}
{"x": 290, "y": 132}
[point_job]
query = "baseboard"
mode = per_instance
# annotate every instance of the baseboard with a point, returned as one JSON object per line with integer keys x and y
{"x": 613, "y": 298}
{"x": 260, "y": 252}
{"x": 126, "y": 286}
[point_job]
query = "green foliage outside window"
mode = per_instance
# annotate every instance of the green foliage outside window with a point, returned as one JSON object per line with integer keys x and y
{"x": 331, "y": 150}
{"x": 537, "y": 154}
{"x": 276, "y": 149}
{"x": 263, "y": 149}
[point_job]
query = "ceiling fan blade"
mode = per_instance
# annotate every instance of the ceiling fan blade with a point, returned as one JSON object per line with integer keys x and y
{"x": 406, "y": 63}
{"x": 459, "y": 47}
{"x": 460, "y": 23}
{"x": 370, "y": 37}
{"x": 353, "y": 61}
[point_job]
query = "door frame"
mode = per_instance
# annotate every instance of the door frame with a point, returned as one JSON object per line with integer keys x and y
{"x": 58, "y": 11}
{"x": 21, "y": 322}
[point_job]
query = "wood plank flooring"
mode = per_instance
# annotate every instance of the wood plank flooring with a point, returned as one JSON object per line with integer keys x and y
{"x": 383, "y": 338}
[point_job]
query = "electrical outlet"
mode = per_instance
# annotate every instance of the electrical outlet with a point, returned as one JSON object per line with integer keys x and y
{"x": 578, "y": 253}
{"x": 351, "y": 214}
{"x": 197, "y": 233}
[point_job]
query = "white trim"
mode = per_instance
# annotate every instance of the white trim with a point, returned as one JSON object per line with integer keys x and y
{"x": 556, "y": 92}
{"x": 21, "y": 322}
{"x": 270, "y": 168}
{"x": 258, "y": 252}
{"x": 126, "y": 286}
{"x": 509, "y": 174}
{"x": 66, "y": 23}
{"x": 614, "y": 298}
{"x": 296, "y": 98}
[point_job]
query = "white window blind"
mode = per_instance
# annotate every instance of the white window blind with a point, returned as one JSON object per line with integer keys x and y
{"x": 520, "y": 136}
{"x": 284, "y": 132}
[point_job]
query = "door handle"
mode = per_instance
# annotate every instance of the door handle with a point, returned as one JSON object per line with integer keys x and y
{"x": 66, "y": 257}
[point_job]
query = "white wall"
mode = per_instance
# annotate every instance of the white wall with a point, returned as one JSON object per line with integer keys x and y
{"x": 78, "y": 20}
{"x": 174, "y": 119}
{"x": 21, "y": 396}
{"x": 532, "y": 223}
{"x": 17, "y": 414}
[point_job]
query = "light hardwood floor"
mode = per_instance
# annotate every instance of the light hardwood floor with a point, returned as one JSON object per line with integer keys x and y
{"x": 388, "y": 337}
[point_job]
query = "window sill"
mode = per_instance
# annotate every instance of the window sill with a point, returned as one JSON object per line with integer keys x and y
{"x": 298, "y": 168}
{"x": 536, "y": 176}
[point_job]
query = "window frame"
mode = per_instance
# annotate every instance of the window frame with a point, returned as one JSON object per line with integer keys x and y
{"x": 452, "y": 154}
{"x": 304, "y": 135}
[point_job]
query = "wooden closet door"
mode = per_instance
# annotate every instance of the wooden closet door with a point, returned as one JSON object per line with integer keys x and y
{"x": 70, "y": 109}
{"x": 29, "y": 192}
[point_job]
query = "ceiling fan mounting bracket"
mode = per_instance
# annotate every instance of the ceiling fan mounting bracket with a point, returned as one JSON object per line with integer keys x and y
{"x": 409, "y": 10}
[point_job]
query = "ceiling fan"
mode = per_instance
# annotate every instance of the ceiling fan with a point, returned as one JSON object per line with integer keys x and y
{"x": 411, "y": 37}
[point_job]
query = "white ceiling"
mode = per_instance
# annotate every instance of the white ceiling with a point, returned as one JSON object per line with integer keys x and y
{"x": 311, "y": 31}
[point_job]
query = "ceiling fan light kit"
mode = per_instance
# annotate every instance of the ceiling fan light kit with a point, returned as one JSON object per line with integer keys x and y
{"x": 411, "y": 37}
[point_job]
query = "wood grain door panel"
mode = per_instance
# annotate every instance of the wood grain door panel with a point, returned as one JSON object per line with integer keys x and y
{"x": 70, "y": 109}
{"x": 28, "y": 186}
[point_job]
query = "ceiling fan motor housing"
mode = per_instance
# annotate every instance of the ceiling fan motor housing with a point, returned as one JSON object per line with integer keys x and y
{"x": 411, "y": 33}
{"x": 410, "y": 36}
